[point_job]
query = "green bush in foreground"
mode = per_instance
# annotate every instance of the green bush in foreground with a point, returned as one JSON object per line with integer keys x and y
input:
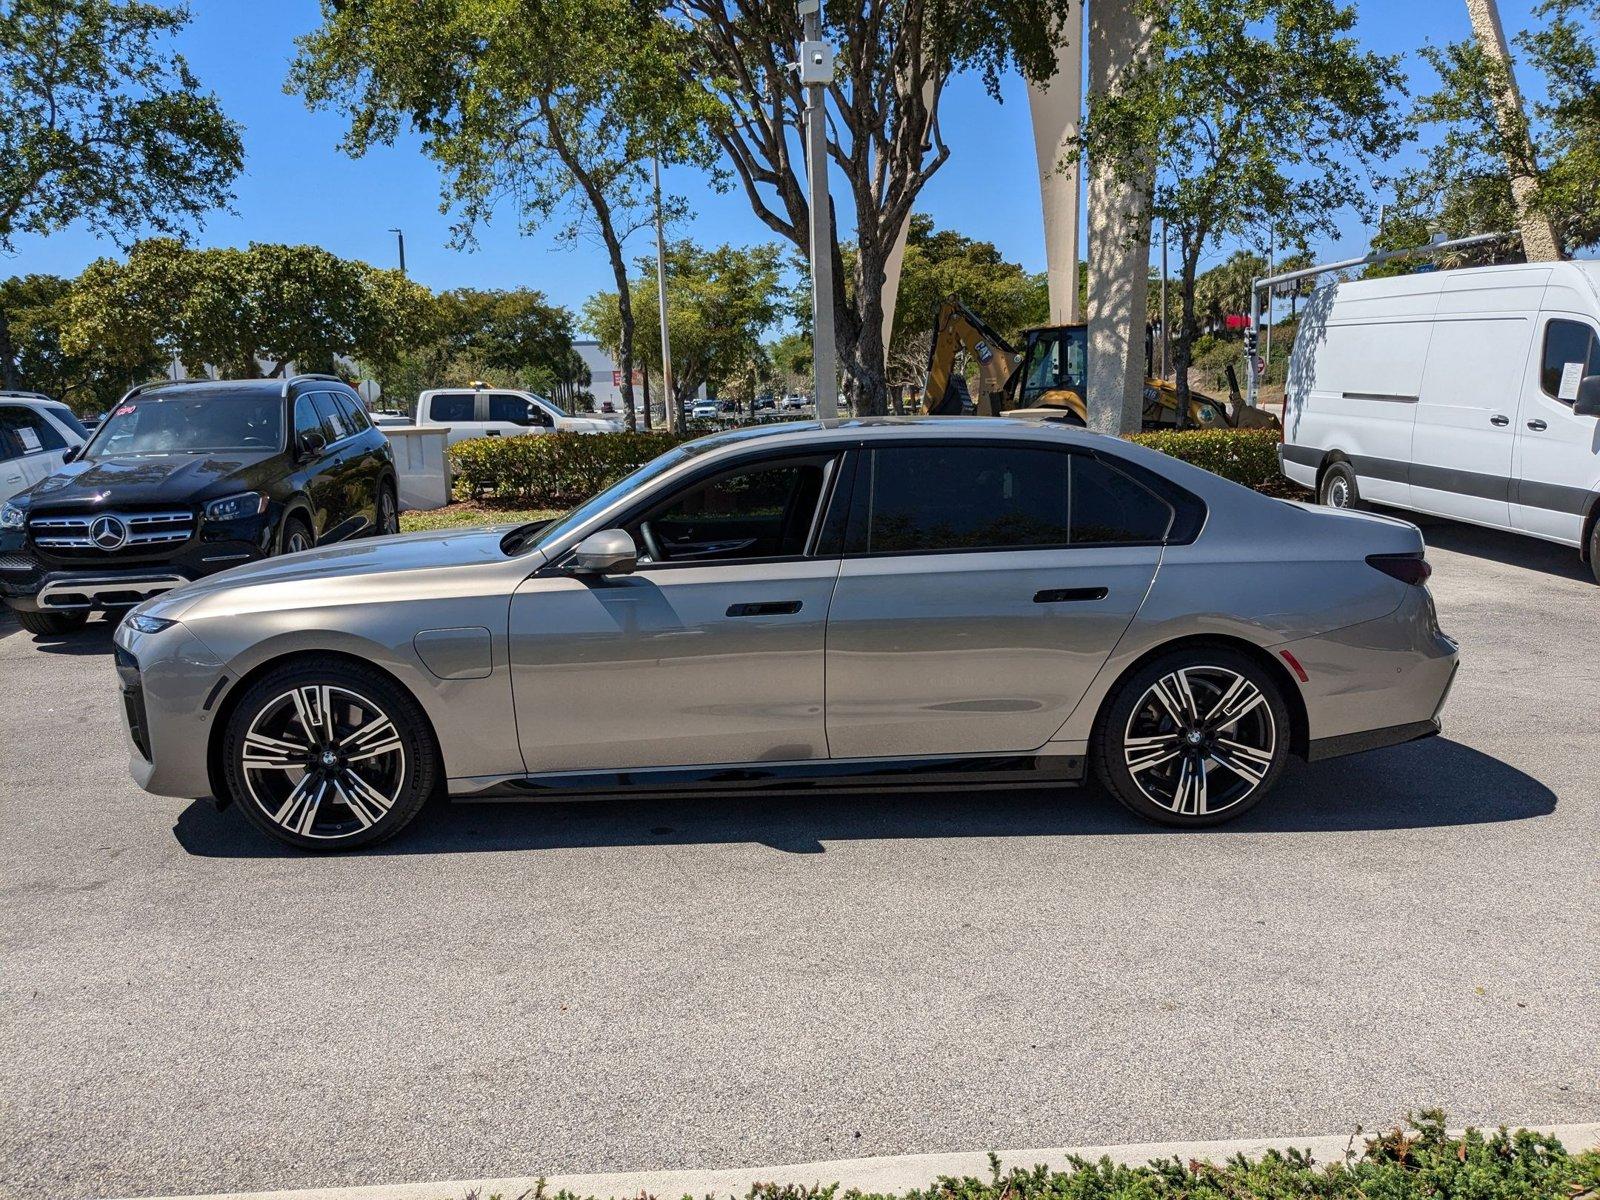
{"x": 1421, "y": 1162}
{"x": 559, "y": 470}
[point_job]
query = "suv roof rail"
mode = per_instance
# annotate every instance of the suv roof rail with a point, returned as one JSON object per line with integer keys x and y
{"x": 17, "y": 394}
{"x": 140, "y": 388}
{"x": 294, "y": 379}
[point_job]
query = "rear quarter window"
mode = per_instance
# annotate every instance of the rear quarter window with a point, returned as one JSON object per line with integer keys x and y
{"x": 453, "y": 407}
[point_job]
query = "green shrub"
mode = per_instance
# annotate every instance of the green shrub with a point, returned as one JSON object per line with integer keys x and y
{"x": 1247, "y": 456}
{"x": 553, "y": 470}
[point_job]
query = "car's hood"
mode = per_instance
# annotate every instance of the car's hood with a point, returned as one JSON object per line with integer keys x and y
{"x": 379, "y": 568}
{"x": 590, "y": 425}
{"x": 151, "y": 479}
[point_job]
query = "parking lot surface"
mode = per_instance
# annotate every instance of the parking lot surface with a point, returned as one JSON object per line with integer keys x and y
{"x": 185, "y": 1007}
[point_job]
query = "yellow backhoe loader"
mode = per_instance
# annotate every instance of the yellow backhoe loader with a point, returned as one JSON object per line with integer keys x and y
{"x": 1046, "y": 378}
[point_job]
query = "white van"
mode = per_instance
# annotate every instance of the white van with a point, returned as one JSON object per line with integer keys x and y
{"x": 480, "y": 411}
{"x": 1470, "y": 394}
{"x": 36, "y": 433}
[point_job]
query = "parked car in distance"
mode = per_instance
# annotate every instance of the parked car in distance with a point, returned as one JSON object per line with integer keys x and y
{"x": 766, "y": 400}
{"x": 1469, "y": 394}
{"x": 183, "y": 480}
{"x": 385, "y": 418}
{"x": 703, "y": 410}
{"x": 869, "y": 603}
{"x": 796, "y": 400}
{"x": 481, "y": 411}
{"x": 36, "y": 433}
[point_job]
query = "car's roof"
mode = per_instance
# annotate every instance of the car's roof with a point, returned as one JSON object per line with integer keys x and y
{"x": 850, "y": 429}
{"x": 234, "y": 389}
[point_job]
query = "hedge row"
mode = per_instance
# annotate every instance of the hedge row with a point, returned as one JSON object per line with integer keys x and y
{"x": 1423, "y": 1162}
{"x": 561, "y": 469}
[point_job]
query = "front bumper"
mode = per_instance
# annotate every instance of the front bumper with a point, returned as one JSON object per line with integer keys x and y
{"x": 170, "y": 682}
{"x": 35, "y": 582}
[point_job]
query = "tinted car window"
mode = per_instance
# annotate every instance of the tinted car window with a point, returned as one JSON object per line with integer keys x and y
{"x": 929, "y": 498}
{"x": 924, "y": 499}
{"x": 453, "y": 406}
{"x": 306, "y": 419}
{"x": 516, "y": 409}
{"x": 765, "y": 511}
{"x": 194, "y": 425}
{"x": 355, "y": 417}
{"x": 1107, "y": 506}
{"x": 333, "y": 426}
{"x": 70, "y": 419}
{"x": 1567, "y": 342}
{"x": 30, "y": 430}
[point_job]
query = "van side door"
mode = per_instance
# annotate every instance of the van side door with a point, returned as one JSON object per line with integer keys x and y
{"x": 1558, "y": 452}
{"x": 1463, "y": 436}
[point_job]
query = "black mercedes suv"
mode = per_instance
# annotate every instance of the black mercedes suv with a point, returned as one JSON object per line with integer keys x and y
{"x": 186, "y": 479}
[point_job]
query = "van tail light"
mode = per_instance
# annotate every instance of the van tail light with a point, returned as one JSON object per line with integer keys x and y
{"x": 1407, "y": 568}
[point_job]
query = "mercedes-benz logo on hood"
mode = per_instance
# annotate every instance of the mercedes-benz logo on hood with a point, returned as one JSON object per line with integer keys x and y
{"x": 108, "y": 533}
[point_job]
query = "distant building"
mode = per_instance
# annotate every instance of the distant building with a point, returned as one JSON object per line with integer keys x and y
{"x": 605, "y": 381}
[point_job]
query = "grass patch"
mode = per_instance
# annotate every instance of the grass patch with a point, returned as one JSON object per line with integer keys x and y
{"x": 467, "y": 513}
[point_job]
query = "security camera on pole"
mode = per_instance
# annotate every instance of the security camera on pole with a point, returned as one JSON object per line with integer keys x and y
{"x": 816, "y": 73}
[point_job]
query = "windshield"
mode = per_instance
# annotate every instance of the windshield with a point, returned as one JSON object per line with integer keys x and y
{"x": 190, "y": 425}
{"x": 532, "y": 536}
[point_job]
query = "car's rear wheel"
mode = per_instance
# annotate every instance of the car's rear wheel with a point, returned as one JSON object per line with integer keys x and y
{"x": 329, "y": 756}
{"x": 1338, "y": 487}
{"x": 297, "y": 536}
{"x": 51, "y": 622}
{"x": 388, "y": 510}
{"x": 1594, "y": 550}
{"x": 1193, "y": 738}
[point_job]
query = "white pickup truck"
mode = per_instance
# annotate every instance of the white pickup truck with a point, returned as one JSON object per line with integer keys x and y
{"x": 478, "y": 411}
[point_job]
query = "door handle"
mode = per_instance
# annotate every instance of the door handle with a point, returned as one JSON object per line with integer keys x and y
{"x": 1068, "y": 595}
{"x": 765, "y": 608}
{"x": 1537, "y": 426}
{"x": 1499, "y": 419}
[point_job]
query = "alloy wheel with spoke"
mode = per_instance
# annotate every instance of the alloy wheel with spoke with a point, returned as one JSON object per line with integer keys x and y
{"x": 323, "y": 761}
{"x": 1201, "y": 739}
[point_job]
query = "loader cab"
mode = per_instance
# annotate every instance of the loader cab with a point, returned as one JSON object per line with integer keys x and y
{"x": 1055, "y": 361}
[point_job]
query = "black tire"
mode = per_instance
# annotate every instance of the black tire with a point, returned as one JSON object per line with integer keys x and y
{"x": 51, "y": 622}
{"x": 273, "y": 790}
{"x": 1338, "y": 488}
{"x": 1244, "y": 755}
{"x": 1594, "y": 550}
{"x": 388, "y": 510}
{"x": 296, "y": 535}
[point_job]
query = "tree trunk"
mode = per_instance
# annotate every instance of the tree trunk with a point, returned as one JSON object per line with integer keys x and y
{"x": 1189, "y": 325}
{"x": 10, "y": 378}
{"x": 1119, "y": 240}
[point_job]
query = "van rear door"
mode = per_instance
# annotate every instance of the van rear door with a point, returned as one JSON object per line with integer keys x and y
{"x": 1557, "y": 468}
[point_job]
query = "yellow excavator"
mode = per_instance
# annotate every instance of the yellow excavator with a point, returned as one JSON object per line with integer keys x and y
{"x": 1045, "y": 378}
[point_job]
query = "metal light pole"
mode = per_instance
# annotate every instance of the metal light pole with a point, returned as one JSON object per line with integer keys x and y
{"x": 816, "y": 73}
{"x": 1266, "y": 353}
{"x": 401, "y": 238}
{"x": 669, "y": 398}
{"x": 1165, "y": 335}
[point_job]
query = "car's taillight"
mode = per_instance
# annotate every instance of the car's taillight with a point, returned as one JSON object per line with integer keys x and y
{"x": 1407, "y": 568}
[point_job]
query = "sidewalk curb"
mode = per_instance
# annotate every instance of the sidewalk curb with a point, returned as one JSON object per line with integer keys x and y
{"x": 898, "y": 1173}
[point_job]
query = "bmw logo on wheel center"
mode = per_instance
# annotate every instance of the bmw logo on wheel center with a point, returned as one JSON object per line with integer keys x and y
{"x": 108, "y": 532}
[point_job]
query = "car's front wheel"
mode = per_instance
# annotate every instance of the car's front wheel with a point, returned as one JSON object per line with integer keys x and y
{"x": 329, "y": 756}
{"x": 1193, "y": 738}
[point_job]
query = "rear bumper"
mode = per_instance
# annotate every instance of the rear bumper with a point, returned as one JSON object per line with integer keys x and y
{"x": 1378, "y": 683}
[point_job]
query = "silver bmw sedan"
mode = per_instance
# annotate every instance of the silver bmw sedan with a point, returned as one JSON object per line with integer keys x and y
{"x": 884, "y": 604}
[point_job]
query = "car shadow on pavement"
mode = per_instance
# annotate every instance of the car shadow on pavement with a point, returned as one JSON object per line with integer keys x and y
{"x": 1426, "y": 784}
{"x": 93, "y": 638}
{"x": 1512, "y": 549}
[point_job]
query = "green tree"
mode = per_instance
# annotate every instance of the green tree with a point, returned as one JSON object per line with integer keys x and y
{"x": 103, "y": 123}
{"x": 719, "y": 302}
{"x": 884, "y": 136}
{"x": 1260, "y": 113}
{"x": 90, "y": 377}
{"x": 1462, "y": 185}
{"x": 553, "y": 107}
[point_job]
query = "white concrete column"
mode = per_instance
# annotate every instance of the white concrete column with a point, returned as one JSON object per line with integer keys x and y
{"x": 1057, "y": 108}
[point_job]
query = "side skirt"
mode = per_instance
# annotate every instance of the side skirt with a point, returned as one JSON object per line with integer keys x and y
{"x": 819, "y": 775}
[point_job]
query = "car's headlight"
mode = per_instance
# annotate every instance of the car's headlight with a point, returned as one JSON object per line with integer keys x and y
{"x": 12, "y": 517}
{"x": 234, "y": 508}
{"x": 146, "y": 624}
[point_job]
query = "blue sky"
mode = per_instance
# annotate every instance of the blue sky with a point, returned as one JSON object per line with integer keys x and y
{"x": 298, "y": 187}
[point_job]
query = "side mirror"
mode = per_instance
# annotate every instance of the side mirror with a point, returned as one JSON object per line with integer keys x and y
{"x": 1587, "y": 403}
{"x": 312, "y": 443}
{"x": 609, "y": 552}
{"x": 72, "y": 454}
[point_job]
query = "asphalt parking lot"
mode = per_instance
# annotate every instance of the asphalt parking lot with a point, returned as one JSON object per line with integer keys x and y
{"x": 517, "y": 990}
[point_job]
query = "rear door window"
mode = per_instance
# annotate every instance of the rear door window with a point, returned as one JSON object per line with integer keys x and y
{"x": 333, "y": 426}
{"x": 30, "y": 430}
{"x": 355, "y": 417}
{"x": 1571, "y": 351}
{"x": 451, "y": 408}
{"x": 933, "y": 499}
